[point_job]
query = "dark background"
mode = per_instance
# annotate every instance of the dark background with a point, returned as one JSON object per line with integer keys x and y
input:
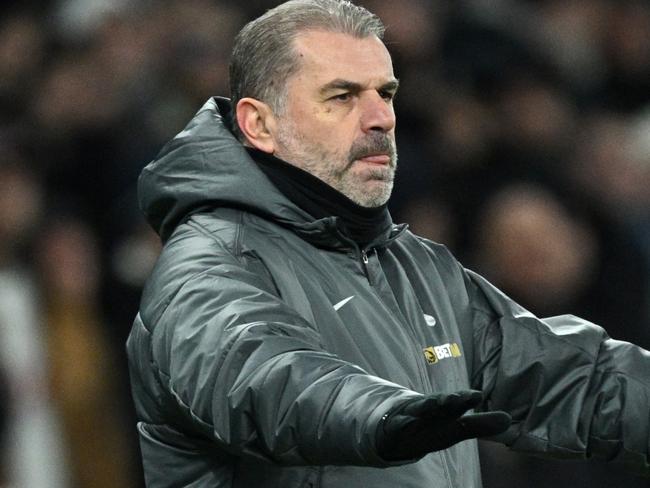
{"x": 524, "y": 138}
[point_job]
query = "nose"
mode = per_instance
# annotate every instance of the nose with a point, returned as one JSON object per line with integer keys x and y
{"x": 377, "y": 113}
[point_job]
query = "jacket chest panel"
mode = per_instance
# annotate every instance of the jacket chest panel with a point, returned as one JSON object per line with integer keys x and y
{"x": 370, "y": 317}
{"x": 429, "y": 315}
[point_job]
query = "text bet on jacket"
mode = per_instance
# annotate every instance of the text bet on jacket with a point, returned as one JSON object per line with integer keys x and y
{"x": 291, "y": 335}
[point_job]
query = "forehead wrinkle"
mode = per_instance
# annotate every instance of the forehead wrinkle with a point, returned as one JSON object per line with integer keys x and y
{"x": 304, "y": 47}
{"x": 326, "y": 71}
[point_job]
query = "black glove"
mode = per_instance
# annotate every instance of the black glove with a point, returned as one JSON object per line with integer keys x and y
{"x": 435, "y": 422}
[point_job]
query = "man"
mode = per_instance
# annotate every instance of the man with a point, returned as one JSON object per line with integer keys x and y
{"x": 291, "y": 335}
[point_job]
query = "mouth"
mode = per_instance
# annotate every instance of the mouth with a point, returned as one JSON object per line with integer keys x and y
{"x": 381, "y": 159}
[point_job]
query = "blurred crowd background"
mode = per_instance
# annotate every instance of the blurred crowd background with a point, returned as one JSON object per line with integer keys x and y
{"x": 524, "y": 139}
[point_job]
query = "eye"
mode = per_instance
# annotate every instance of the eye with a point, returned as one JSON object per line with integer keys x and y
{"x": 387, "y": 95}
{"x": 342, "y": 97}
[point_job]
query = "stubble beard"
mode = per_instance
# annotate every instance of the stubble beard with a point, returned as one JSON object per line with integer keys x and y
{"x": 370, "y": 188}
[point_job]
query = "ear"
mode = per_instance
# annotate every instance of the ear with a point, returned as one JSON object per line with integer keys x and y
{"x": 257, "y": 123}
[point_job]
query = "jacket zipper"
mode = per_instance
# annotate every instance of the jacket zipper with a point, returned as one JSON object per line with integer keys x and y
{"x": 364, "y": 265}
{"x": 424, "y": 378}
{"x": 410, "y": 334}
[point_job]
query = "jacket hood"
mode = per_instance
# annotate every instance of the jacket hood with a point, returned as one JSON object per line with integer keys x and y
{"x": 205, "y": 166}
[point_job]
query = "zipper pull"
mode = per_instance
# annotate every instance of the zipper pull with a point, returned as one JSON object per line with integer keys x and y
{"x": 364, "y": 260}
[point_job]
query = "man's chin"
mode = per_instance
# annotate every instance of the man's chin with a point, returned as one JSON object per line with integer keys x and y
{"x": 375, "y": 193}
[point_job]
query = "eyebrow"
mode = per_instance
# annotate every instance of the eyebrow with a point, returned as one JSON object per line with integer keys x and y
{"x": 354, "y": 87}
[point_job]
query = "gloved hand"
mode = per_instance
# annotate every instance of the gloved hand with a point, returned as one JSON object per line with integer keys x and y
{"x": 435, "y": 422}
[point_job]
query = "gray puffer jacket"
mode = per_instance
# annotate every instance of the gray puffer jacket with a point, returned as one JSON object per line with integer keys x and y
{"x": 268, "y": 345}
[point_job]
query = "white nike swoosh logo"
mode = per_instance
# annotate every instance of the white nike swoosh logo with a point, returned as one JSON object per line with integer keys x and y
{"x": 342, "y": 302}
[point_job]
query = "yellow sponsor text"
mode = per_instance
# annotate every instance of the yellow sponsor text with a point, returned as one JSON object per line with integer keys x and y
{"x": 434, "y": 354}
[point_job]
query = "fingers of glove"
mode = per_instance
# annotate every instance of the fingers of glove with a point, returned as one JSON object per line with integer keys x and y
{"x": 451, "y": 405}
{"x": 460, "y": 402}
{"x": 449, "y": 431}
{"x": 412, "y": 437}
{"x": 484, "y": 424}
{"x": 467, "y": 427}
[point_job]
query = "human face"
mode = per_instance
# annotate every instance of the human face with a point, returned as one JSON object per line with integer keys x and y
{"x": 338, "y": 123}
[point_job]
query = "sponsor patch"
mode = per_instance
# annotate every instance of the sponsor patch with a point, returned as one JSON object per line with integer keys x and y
{"x": 434, "y": 354}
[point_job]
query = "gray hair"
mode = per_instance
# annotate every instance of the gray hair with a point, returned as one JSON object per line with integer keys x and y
{"x": 263, "y": 56}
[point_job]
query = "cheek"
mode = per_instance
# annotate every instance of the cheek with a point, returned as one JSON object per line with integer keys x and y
{"x": 336, "y": 137}
{"x": 318, "y": 126}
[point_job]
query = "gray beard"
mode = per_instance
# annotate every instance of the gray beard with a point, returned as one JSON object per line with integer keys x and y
{"x": 317, "y": 160}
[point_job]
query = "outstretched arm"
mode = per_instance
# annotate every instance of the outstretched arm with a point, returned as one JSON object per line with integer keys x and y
{"x": 571, "y": 390}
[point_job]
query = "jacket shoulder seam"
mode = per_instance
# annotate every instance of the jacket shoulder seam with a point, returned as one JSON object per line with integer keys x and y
{"x": 234, "y": 247}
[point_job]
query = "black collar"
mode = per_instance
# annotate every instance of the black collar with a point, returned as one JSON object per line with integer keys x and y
{"x": 318, "y": 199}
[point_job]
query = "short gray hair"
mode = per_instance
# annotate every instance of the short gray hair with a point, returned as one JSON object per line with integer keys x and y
{"x": 263, "y": 56}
